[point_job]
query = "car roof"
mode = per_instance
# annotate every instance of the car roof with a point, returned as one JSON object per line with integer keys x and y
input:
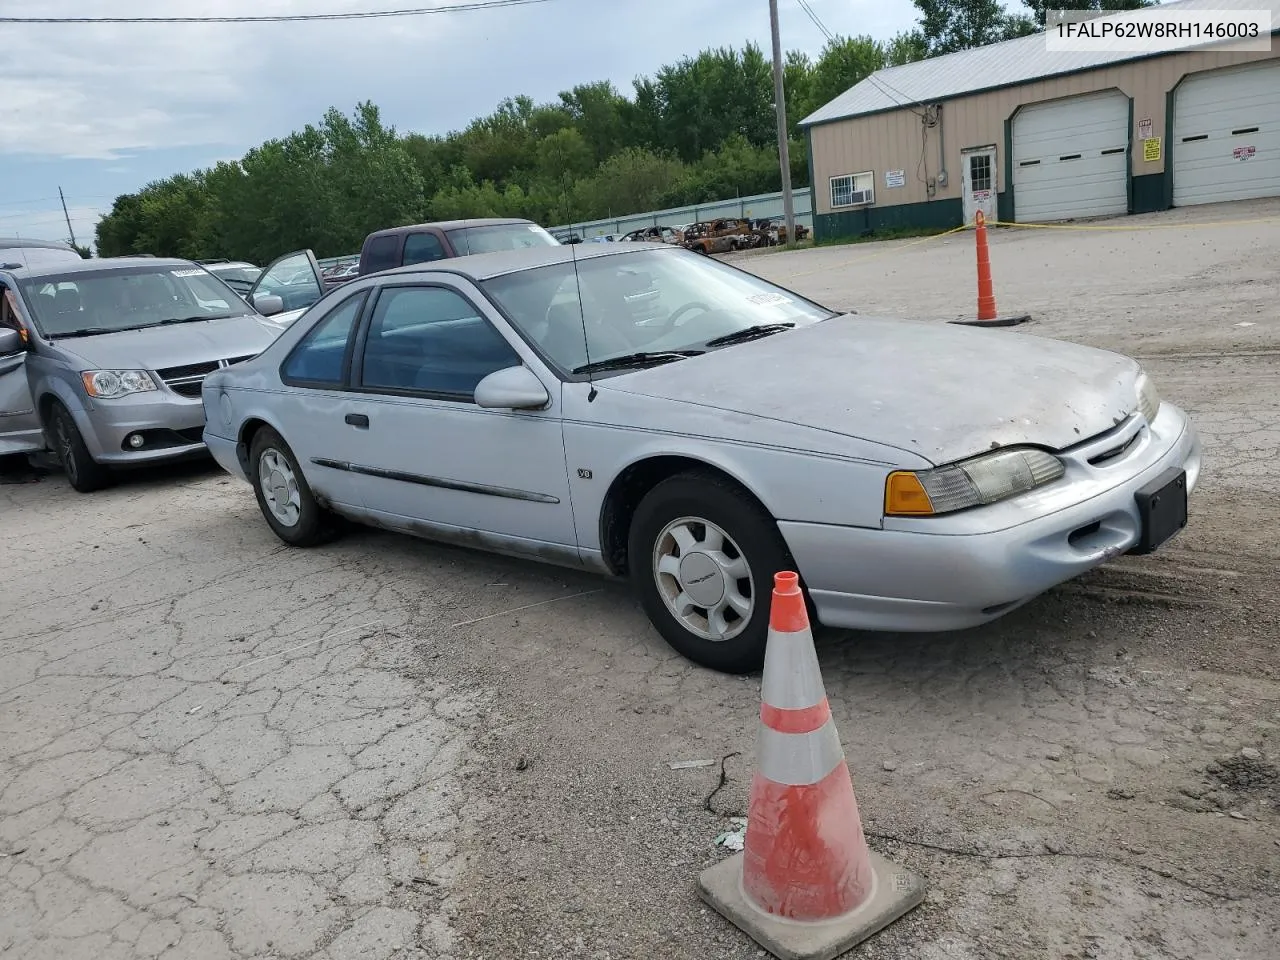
{"x": 104, "y": 263}
{"x": 450, "y": 225}
{"x": 484, "y": 266}
{"x": 12, "y": 243}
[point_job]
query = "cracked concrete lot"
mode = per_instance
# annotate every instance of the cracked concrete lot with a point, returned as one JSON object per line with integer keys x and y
{"x": 212, "y": 746}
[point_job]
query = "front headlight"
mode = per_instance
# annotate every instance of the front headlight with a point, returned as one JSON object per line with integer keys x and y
{"x": 110, "y": 384}
{"x": 1148, "y": 398}
{"x": 971, "y": 483}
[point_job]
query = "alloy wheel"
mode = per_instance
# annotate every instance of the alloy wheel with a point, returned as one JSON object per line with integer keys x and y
{"x": 703, "y": 578}
{"x": 279, "y": 487}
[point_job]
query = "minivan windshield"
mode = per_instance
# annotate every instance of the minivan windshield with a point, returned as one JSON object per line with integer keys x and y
{"x": 494, "y": 237}
{"x": 86, "y": 302}
{"x": 647, "y": 302}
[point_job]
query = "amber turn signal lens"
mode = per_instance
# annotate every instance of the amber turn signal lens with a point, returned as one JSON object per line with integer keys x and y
{"x": 904, "y": 496}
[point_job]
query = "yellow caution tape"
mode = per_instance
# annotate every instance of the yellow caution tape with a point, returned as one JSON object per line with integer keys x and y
{"x": 1130, "y": 226}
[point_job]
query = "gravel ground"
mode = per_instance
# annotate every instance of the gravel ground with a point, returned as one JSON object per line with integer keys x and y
{"x": 216, "y": 747}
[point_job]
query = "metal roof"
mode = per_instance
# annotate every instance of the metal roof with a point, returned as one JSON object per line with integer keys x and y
{"x": 1004, "y": 64}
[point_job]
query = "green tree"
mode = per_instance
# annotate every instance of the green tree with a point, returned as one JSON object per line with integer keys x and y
{"x": 700, "y": 129}
{"x": 843, "y": 63}
{"x": 950, "y": 25}
{"x": 1039, "y": 8}
{"x": 630, "y": 181}
{"x": 907, "y": 47}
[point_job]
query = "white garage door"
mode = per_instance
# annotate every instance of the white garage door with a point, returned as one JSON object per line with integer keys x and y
{"x": 1069, "y": 158}
{"x": 1226, "y": 135}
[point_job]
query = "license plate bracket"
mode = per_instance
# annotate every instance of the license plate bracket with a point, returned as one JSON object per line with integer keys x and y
{"x": 1162, "y": 510}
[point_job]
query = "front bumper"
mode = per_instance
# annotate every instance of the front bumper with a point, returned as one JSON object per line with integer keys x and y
{"x": 172, "y": 426}
{"x": 949, "y": 573}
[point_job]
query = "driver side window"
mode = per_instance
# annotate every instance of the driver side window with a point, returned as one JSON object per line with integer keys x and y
{"x": 431, "y": 341}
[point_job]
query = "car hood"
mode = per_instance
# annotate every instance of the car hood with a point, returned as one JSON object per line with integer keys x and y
{"x": 941, "y": 391}
{"x": 180, "y": 344}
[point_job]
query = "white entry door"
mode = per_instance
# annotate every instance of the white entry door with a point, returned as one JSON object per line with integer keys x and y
{"x": 978, "y": 182}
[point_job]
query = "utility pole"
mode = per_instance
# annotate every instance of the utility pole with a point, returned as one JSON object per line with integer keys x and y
{"x": 780, "y": 108}
{"x": 68, "y": 216}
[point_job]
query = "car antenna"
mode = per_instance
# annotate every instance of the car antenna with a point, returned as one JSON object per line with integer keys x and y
{"x": 582, "y": 315}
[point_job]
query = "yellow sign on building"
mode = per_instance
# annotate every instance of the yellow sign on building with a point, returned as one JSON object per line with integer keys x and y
{"x": 1151, "y": 149}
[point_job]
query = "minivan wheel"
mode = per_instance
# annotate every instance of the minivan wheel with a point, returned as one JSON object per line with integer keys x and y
{"x": 286, "y": 501}
{"x": 702, "y": 556}
{"x": 83, "y": 472}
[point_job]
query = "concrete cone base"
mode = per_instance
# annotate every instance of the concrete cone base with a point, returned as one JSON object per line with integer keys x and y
{"x": 897, "y": 891}
{"x": 1009, "y": 320}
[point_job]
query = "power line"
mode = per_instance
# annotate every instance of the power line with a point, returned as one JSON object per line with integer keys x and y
{"x": 817, "y": 22}
{"x": 287, "y": 18}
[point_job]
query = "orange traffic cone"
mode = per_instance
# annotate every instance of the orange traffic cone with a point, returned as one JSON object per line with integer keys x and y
{"x": 806, "y": 886}
{"x": 987, "y": 314}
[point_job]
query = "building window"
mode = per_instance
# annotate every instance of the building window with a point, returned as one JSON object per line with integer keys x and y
{"x": 853, "y": 189}
{"x": 980, "y": 171}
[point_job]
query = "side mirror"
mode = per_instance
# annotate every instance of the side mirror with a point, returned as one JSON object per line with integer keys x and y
{"x": 268, "y": 304}
{"x": 10, "y": 341}
{"x": 512, "y": 388}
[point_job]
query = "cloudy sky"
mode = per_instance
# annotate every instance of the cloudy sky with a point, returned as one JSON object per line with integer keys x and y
{"x": 101, "y": 110}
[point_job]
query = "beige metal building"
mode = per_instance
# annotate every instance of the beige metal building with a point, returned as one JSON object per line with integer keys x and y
{"x": 1029, "y": 135}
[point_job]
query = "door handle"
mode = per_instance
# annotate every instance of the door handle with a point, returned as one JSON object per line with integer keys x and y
{"x": 357, "y": 419}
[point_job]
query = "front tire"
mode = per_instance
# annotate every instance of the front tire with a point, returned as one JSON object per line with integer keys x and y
{"x": 83, "y": 472}
{"x": 702, "y": 556}
{"x": 286, "y": 501}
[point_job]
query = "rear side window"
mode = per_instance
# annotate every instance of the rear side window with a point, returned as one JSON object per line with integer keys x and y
{"x": 319, "y": 357}
{"x": 422, "y": 248}
{"x": 380, "y": 254}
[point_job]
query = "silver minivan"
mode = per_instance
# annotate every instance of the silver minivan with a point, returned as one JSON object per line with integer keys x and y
{"x": 102, "y": 360}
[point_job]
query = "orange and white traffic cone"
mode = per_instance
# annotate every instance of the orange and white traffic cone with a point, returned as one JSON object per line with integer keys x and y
{"x": 988, "y": 316}
{"x": 806, "y": 886}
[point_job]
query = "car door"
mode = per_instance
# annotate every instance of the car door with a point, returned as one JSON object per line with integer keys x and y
{"x": 431, "y": 460}
{"x": 20, "y": 430}
{"x": 295, "y": 278}
{"x": 312, "y": 411}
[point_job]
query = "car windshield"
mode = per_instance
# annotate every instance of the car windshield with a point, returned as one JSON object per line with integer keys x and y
{"x": 658, "y": 300}
{"x": 124, "y": 298}
{"x": 492, "y": 238}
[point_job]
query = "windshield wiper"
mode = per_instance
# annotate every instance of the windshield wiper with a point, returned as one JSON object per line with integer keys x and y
{"x": 750, "y": 333}
{"x": 92, "y": 331}
{"x": 203, "y": 316}
{"x": 636, "y": 360}
{"x": 82, "y": 332}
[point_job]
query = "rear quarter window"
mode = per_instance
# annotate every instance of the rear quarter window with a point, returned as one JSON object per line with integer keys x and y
{"x": 380, "y": 253}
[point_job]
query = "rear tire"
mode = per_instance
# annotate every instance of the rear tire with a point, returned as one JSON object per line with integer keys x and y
{"x": 284, "y": 497}
{"x": 702, "y": 556}
{"x": 83, "y": 472}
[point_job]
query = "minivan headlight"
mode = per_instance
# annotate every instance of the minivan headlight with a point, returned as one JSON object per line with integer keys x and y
{"x": 111, "y": 384}
{"x": 971, "y": 483}
{"x": 1148, "y": 398}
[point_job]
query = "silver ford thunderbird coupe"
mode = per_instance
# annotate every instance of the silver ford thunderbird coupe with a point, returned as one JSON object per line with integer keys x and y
{"x": 644, "y": 412}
